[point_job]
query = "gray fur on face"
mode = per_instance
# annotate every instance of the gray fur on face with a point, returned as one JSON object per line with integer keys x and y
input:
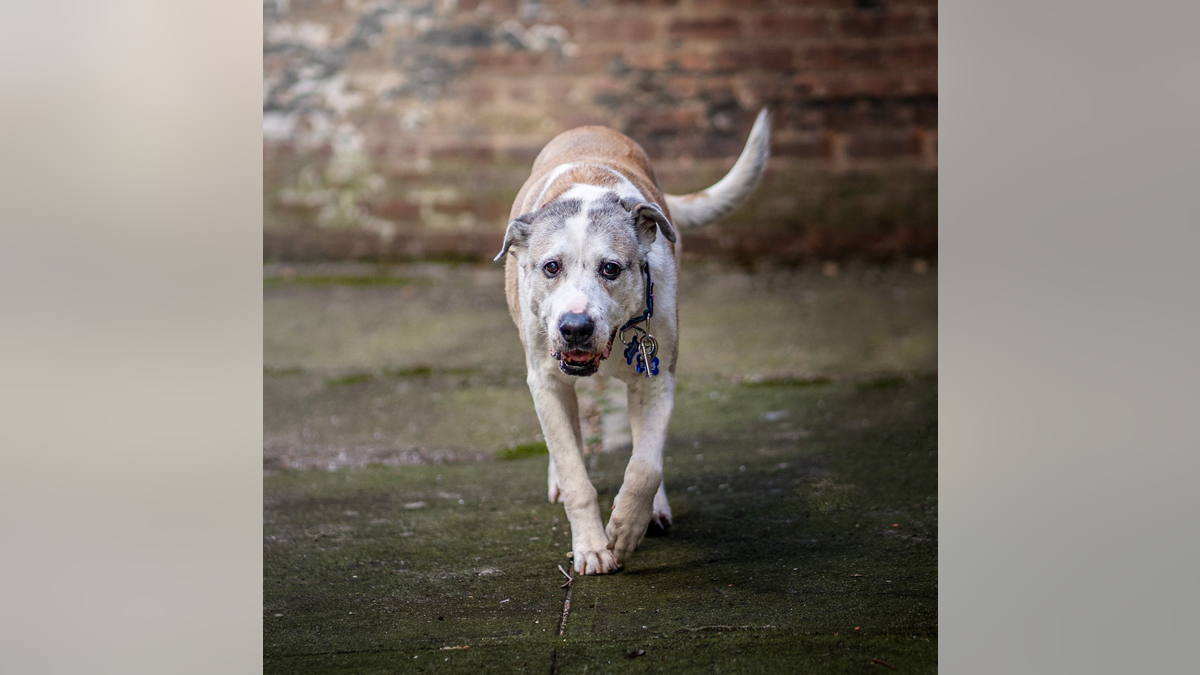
{"x": 610, "y": 232}
{"x": 581, "y": 243}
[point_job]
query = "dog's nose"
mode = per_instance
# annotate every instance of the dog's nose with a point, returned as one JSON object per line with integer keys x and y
{"x": 576, "y": 326}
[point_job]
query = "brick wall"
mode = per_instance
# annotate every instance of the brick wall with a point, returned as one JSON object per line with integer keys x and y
{"x": 403, "y": 129}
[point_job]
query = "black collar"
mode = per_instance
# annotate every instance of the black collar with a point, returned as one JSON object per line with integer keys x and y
{"x": 649, "y": 311}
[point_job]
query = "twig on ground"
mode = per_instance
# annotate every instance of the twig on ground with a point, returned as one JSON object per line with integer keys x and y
{"x": 882, "y": 663}
{"x": 562, "y": 626}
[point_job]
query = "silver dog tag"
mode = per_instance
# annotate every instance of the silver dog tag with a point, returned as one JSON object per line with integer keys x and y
{"x": 648, "y": 364}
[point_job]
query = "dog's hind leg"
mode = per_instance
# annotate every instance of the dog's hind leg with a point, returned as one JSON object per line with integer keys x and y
{"x": 558, "y": 410}
{"x": 660, "y": 516}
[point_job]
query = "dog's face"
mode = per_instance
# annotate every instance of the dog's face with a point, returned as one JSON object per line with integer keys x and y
{"x": 581, "y": 260}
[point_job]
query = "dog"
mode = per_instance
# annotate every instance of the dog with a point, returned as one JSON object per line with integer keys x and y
{"x": 592, "y": 252}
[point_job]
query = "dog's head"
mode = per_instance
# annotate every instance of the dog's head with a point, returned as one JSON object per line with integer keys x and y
{"x": 581, "y": 258}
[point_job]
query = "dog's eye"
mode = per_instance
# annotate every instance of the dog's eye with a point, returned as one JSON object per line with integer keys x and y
{"x": 610, "y": 270}
{"x": 551, "y": 268}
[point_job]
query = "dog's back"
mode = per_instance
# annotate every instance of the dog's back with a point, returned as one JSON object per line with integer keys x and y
{"x": 585, "y": 150}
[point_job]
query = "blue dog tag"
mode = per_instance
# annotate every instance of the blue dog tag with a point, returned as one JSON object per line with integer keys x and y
{"x": 631, "y": 351}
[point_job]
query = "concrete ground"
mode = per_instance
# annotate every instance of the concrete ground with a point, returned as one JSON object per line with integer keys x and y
{"x": 406, "y": 527}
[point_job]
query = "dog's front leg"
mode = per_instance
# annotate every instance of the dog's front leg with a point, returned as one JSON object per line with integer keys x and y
{"x": 651, "y": 401}
{"x": 558, "y": 411}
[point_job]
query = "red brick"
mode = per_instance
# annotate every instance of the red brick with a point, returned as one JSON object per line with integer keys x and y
{"x": 520, "y": 92}
{"x": 510, "y": 62}
{"x": 835, "y": 57}
{"x": 472, "y": 153}
{"x": 523, "y": 153}
{"x": 502, "y": 7}
{"x": 793, "y": 27}
{"x": 681, "y": 87}
{"x": 878, "y": 24}
{"x": 923, "y": 85}
{"x": 766, "y": 58}
{"x": 768, "y": 86}
{"x": 917, "y": 55}
{"x": 716, "y": 87}
{"x": 926, "y": 116}
{"x": 774, "y": 58}
{"x": 662, "y": 120}
{"x": 774, "y": 4}
{"x": 878, "y": 145}
{"x": 398, "y": 210}
{"x": 609, "y": 96}
{"x": 883, "y": 85}
{"x": 715, "y": 28}
{"x": 733, "y": 59}
{"x": 805, "y": 149}
{"x": 555, "y": 92}
{"x": 689, "y": 60}
{"x": 623, "y": 28}
{"x": 478, "y": 93}
{"x": 637, "y": 30}
{"x": 570, "y": 120}
{"x": 594, "y": 61}
{"x": 803, "y": 86}
{"x": 719, "y": 147}
{"x": 646, "y": 59}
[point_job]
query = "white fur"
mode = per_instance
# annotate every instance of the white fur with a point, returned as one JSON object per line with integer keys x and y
{"x": 701, "y": 208}
{"x": 577, "y": 224}
{"x": 553, "y": 176}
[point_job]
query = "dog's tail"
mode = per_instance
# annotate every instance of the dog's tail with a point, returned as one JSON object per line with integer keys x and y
{"x": 701, "y": 208}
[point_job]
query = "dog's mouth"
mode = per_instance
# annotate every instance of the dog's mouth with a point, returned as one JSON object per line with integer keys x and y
{"x": 582, "y": 363}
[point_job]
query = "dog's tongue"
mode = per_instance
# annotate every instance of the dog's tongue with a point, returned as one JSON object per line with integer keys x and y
{"x": 577, "y": 357}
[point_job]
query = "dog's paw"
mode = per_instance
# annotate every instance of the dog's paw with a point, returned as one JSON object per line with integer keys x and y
{"x": 659, "y": 524}
{"x": 626, "y": 528}
{"x": 595, "y": 562}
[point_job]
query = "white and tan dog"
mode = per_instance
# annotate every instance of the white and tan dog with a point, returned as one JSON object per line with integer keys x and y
{"x": 585, "y": 244}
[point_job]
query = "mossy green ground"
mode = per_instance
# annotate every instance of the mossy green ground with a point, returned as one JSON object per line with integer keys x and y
{"x": 805, "y": 536}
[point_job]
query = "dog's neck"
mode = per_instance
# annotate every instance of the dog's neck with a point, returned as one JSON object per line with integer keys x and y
{"x": 649, "y": 311}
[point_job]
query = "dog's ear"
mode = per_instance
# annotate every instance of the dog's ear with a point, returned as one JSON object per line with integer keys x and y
{"x": 517, "y": 234}
{"x": 647, "y": 219}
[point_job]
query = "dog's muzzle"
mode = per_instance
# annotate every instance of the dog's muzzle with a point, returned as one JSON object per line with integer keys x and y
{"x": 582, "y": 362}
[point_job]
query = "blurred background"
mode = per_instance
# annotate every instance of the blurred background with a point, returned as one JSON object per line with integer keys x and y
{"x": 402, "y": 130}
{"x": 397, "y": 134}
